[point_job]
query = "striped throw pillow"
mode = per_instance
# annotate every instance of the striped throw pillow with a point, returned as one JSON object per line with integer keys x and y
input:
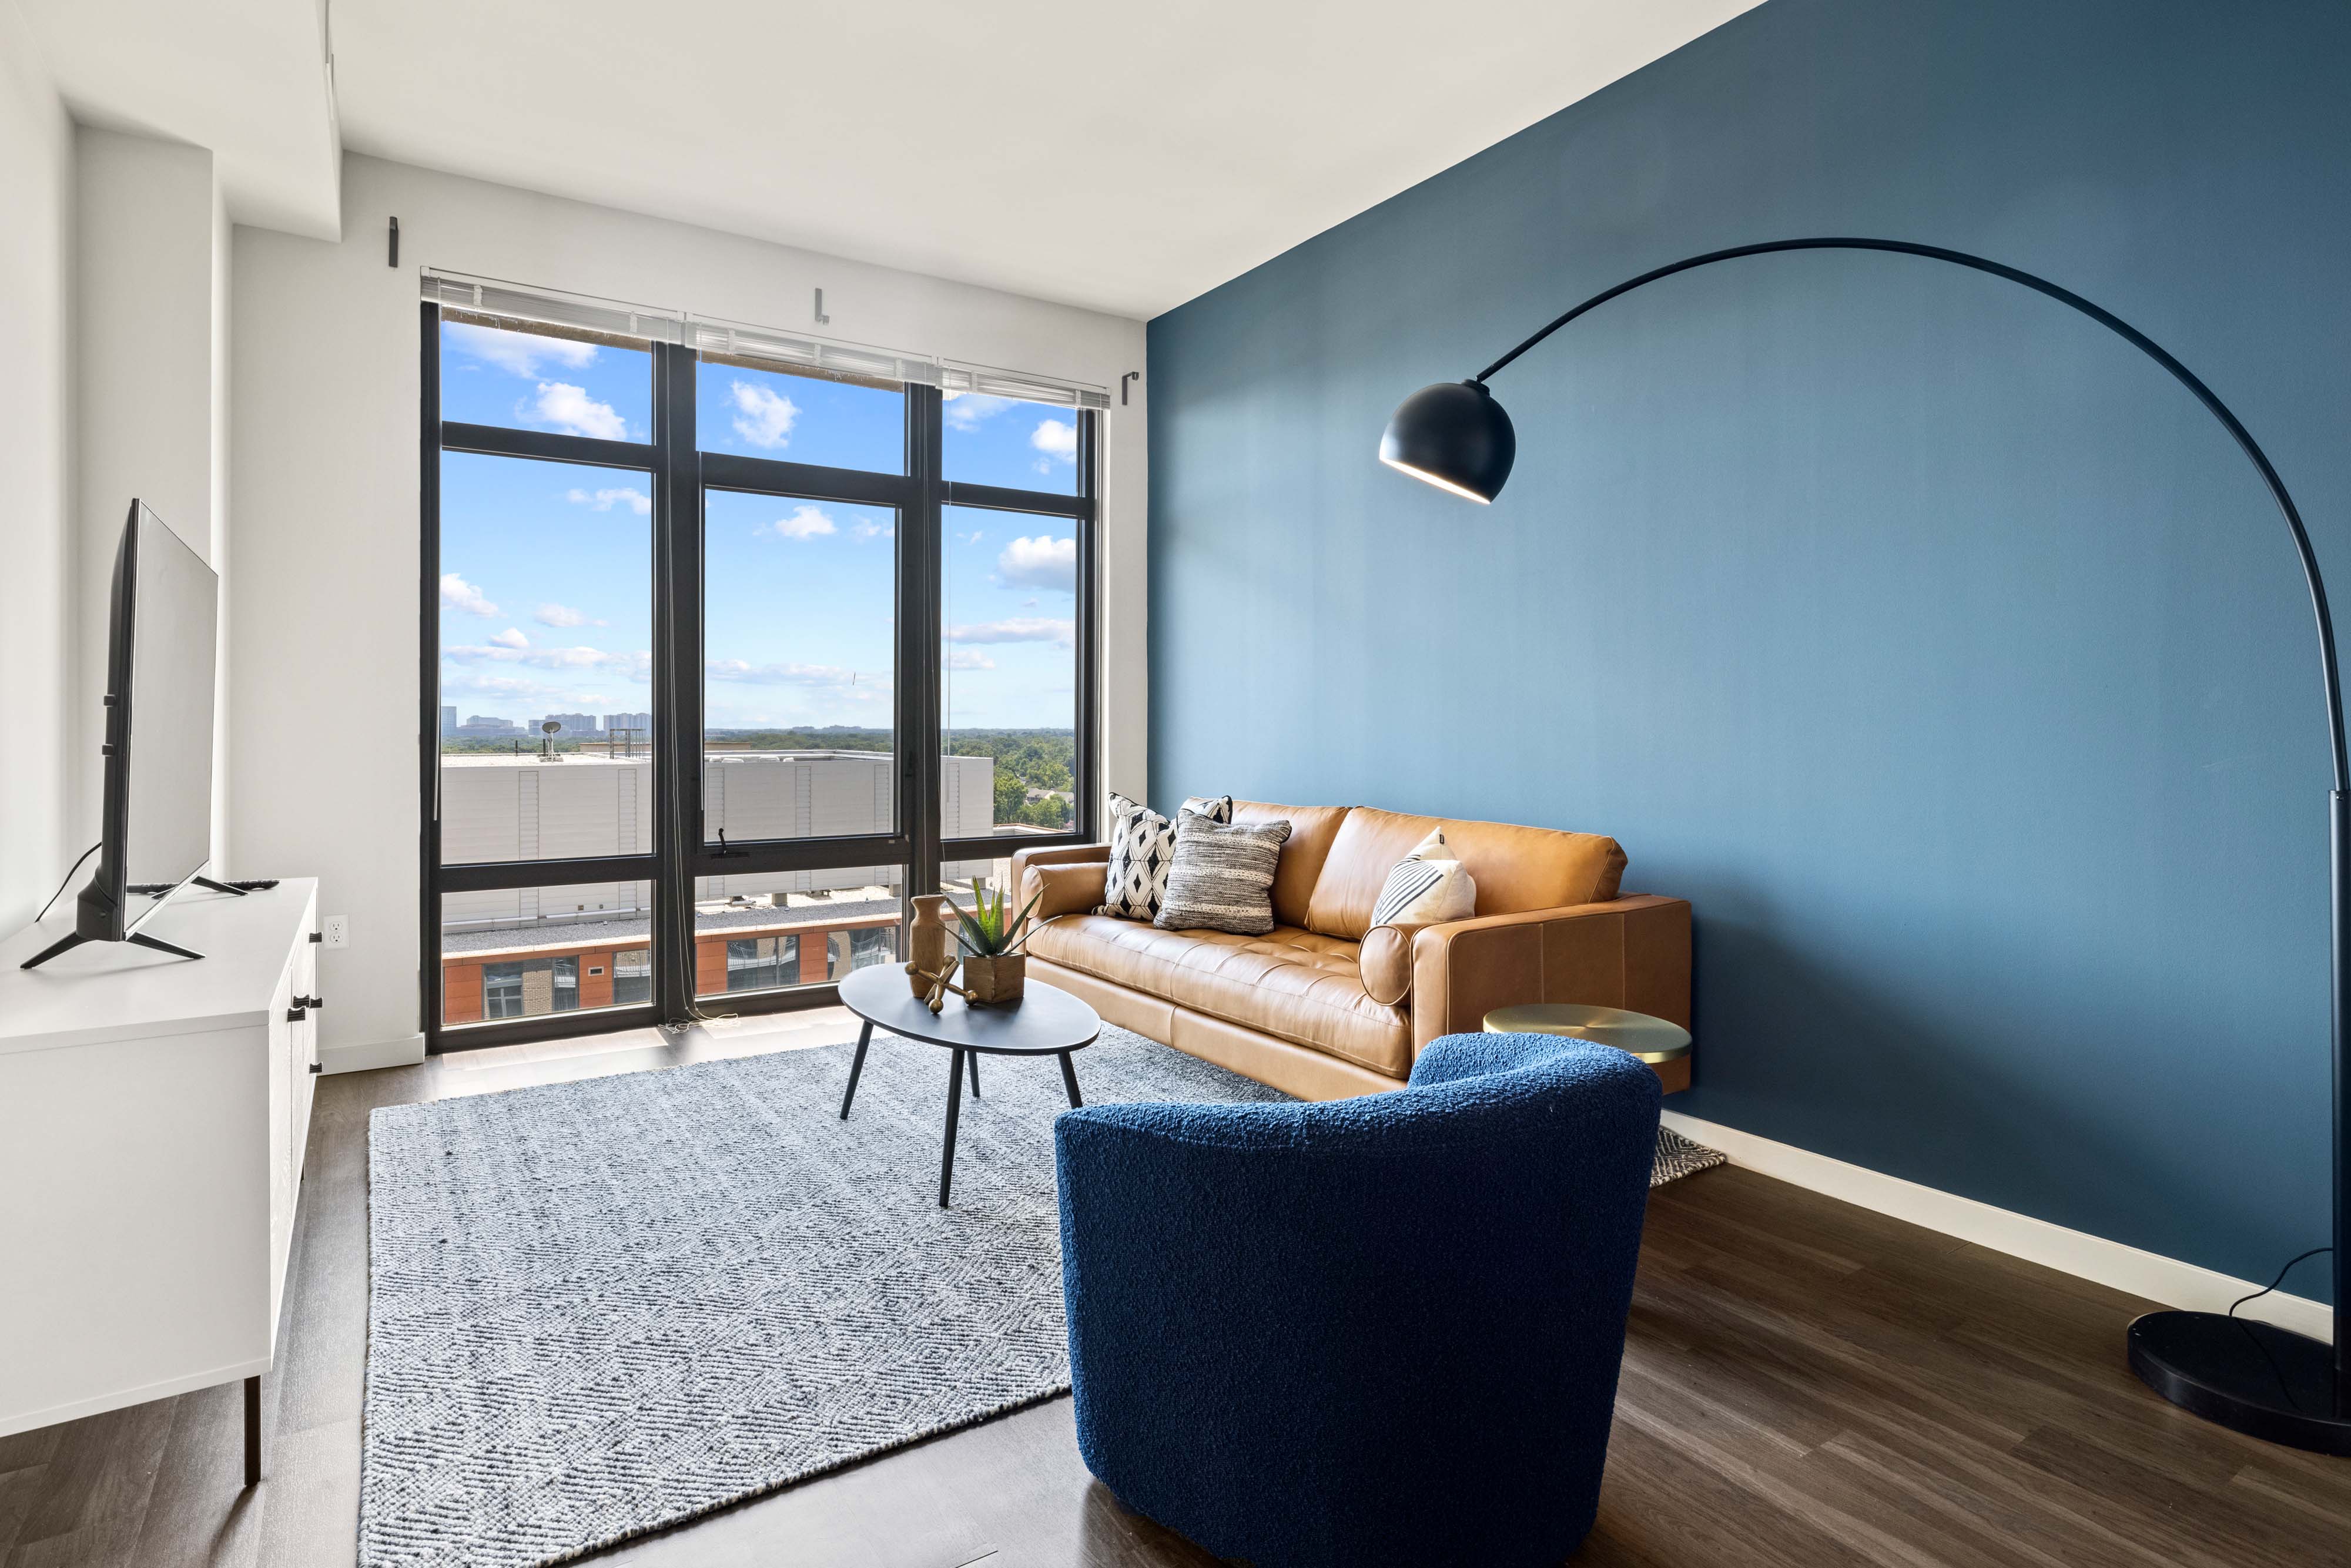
{"x": 1222, "y": 876}
{"x": 1427, "y": 885}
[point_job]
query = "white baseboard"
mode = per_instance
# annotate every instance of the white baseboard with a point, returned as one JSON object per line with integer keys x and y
{"x": 405, "y": 1051}
{"x": 2077, "y": 1252}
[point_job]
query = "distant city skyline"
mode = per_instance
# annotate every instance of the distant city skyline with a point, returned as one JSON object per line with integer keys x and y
{"x": 546, "y": 584}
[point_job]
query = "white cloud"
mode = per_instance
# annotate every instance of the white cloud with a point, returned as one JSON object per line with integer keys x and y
{"x": 967, "y": 659}
{"x": 1029, "y": 604}
{"x": 563, "y": 615}
{"x": 1042, "y": 562}
{"x": 511, "y": 637}
{"x": 972, "y": 538}
{"x": 1020, "y": 629}
{"x": 570, "y": 409}
{"x": 1056, "y": 439}
{"x": 867, "y": 528}
{"x": 636, "y": 500}
{"x": 523, "y": 353}
{"x": 763, "y": 417}
{"x": 805, "y": 523}
{"x": 636, "y": 666}
{"x": 496, "y": 685}
{"x": 831, "y": 676}
{"x": 459, "y": 594}
{"x": 964, "y": 411}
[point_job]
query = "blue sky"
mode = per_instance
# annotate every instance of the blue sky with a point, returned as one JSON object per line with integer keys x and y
{"x": 545, "y": 589}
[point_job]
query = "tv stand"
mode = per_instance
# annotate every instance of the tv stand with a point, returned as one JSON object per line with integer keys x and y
{"x": 75, "y": 939}
{"x": 152, "y": 1122}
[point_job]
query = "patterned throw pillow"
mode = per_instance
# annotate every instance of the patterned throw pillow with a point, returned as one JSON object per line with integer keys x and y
{"x": 1142, "y": 846}
{"x": 1222, "y": 877}
{"x": 1427, "y": 885}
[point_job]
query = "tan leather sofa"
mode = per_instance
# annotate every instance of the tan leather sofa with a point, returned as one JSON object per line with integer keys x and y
{"x": 1324, "y": 1006}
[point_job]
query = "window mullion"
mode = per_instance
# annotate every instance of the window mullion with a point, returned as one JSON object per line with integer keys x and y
{"x": 677, "y": 577}
{"x": 923, "y": 703}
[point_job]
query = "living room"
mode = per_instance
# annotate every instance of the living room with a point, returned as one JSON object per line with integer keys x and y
{"x": 1627, "y": 689}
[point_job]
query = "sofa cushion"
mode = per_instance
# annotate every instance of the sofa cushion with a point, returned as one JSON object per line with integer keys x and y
{"x": 1517, "y": 869}
{"x": 1063, "y": 889}
{"x": 1288, "y": 983}
{"x": 1311, "y": 829}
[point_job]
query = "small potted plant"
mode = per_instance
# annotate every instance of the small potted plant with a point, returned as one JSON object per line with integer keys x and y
{"x": 994, "y": 970}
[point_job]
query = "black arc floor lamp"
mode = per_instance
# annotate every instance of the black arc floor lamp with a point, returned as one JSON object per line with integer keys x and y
{"x": 2247, "y": 1375}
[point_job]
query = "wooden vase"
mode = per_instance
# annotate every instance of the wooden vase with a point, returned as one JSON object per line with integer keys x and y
{"x": 995, "y": 982}
{"x": 928, "y": 942}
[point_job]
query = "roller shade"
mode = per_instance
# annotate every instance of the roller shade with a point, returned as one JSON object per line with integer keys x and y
{"x": 794, "y": 350}
{"x": 989, "y": 382}
{"x": 493, "y": 301}
{"x": 491, "y": 298}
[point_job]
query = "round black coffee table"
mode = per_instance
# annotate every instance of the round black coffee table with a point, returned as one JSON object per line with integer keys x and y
{"x": 1046, "y": 1022}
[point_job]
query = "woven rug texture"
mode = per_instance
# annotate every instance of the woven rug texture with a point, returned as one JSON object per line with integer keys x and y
{"x": 600, "y": 1308}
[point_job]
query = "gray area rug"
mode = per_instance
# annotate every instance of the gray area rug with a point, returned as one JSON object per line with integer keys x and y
{"x": 1678, "y": 1158}
{"x": 600, "y": 1308}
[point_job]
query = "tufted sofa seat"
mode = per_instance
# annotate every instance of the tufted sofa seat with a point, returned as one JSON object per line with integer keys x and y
{"x": 1327, "y": 1006}
{"x": 1290, "y": 983}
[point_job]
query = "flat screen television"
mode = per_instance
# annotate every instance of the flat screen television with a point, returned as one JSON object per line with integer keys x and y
{"x": 156, "y": 816}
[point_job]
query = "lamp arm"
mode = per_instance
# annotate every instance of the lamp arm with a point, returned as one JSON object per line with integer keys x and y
{"x": 2105, "y": 318}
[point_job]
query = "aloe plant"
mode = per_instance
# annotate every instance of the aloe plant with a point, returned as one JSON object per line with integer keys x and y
{"x": 983, "y": 931}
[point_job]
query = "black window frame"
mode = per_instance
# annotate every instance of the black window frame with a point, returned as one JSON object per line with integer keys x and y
{"x": 678, "y": 474}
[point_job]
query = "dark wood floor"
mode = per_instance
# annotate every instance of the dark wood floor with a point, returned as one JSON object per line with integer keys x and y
{"x": 1806, "y": 1384}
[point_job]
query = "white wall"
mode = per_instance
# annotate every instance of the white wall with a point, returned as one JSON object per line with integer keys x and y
{"x": 326, "y": 458}
{"x": 37, "y": 634}
{"x": 152, "y": 243}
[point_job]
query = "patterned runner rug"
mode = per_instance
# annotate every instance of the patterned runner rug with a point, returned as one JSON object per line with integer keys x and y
{"x": 600, "y": 1308}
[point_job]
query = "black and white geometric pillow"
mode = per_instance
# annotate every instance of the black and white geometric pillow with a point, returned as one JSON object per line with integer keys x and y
{"x": 1142, "y": 848}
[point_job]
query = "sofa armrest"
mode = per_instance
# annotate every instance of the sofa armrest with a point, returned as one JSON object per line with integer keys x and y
{"x": 1029, "y": 882}
{"x": 1632, "y": 952}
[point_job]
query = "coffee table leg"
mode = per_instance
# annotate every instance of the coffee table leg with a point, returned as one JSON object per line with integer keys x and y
{"x": 975, "y": 1074}
{"x": 1070, "y": 1083}
{"x": 955, "y": 1109}
{"x": 856, "y": 1066}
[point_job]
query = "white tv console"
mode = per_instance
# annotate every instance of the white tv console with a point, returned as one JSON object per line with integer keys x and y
{"x": 154, "y": 1114}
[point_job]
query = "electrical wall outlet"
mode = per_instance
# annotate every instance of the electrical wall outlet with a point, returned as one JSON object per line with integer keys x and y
{"x": 338, "y": 929}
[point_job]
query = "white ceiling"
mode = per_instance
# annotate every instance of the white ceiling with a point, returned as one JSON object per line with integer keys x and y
{"x": 1121, "y": 155}
{"x": 245, "y": 77}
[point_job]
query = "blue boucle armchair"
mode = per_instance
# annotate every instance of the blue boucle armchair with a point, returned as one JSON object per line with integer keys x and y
{"x": 1363, "y": 1331}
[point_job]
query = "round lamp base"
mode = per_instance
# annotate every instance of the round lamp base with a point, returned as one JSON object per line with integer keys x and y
{"x": 2253, "y": 1377}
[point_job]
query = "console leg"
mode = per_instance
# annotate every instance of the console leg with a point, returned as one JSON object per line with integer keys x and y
{"x": 143, "y": 940}
{"x": 252, "y": 1431}
{"x": 218, "y": 886}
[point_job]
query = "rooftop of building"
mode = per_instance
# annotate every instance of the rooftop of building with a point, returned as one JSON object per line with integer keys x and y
{"x": 555, "y": 936}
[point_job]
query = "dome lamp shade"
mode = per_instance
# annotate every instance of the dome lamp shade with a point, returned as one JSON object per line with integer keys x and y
{"x": 1453, "y": 436}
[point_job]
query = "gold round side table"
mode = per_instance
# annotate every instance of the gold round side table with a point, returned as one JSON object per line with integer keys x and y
{"x": 1665, "y": 1047}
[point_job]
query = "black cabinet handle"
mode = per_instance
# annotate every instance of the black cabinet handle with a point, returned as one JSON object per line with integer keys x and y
{"x": 296, "y": 1015}
{"x": 316, "y": 1066}
{"x": 309, "y": 1002}
{"x": 317, "y": 936}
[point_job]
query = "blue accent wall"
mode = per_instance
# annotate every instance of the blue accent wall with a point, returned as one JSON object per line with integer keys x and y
{"x": 1925, "y": 635}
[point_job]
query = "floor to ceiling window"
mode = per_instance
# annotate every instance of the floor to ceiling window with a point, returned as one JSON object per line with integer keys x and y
{"x": 733, "y": 641}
